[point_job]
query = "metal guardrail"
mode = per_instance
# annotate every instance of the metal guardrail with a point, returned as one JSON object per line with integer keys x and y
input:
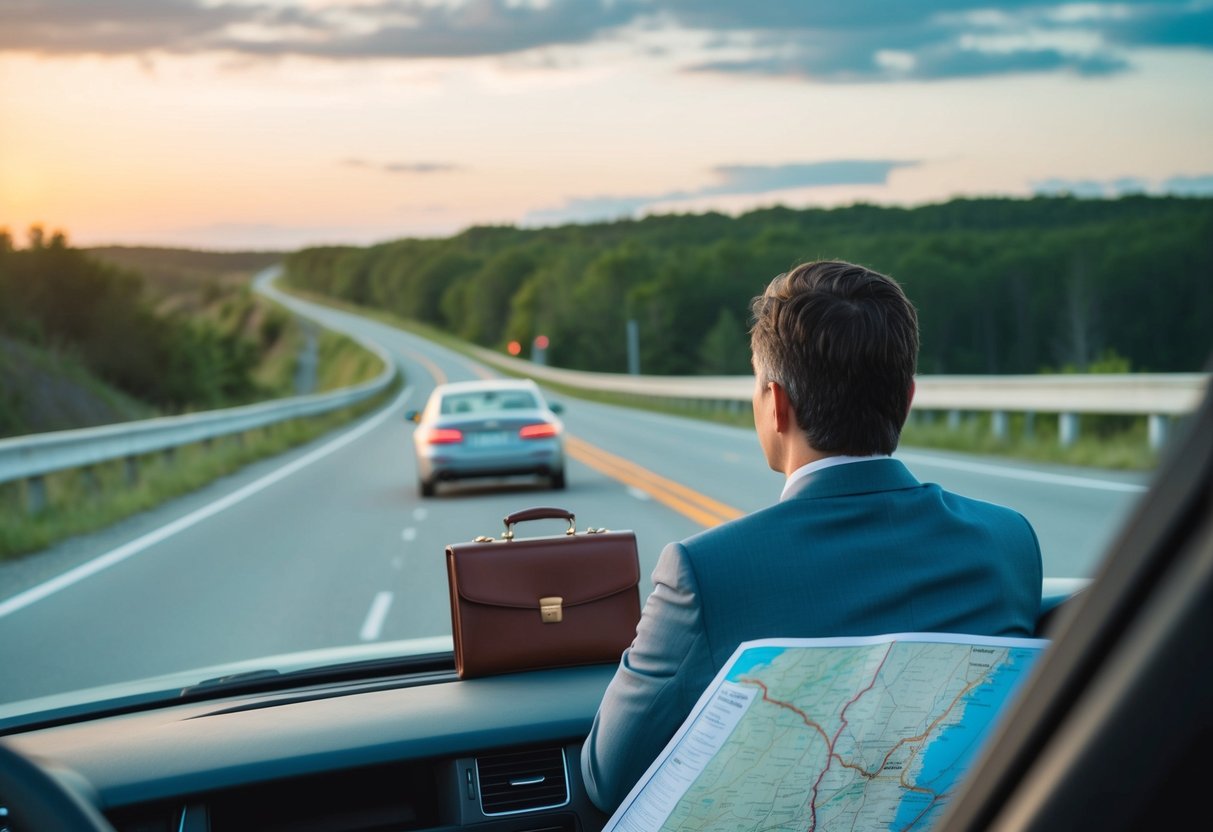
{"x": 27, "y": 457}
{"x": 1158, "y": 396}
{"x": 1171, "y": 394}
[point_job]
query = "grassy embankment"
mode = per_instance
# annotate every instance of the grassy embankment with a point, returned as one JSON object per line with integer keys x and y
{"x": 1109, "y": 442}
{"x": 202, "y": 286}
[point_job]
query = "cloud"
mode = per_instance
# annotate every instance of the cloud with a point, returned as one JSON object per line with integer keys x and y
{"x": 1201, "y": 185}
{"x": 117, "y": 27}
{"x": 733, "y": 180}
{"x": 1179, "y": 185}
{"x": 860, "y": 42}
{"x": 1170, "y": 24}
{"x": 385, "y": 29}
{"x": 755, "y": 179}
{"x": 852, "y": 41}
{"x": 892, "y": 40}
{"x": 590, "y": 209}
{"x": 403, "y": 167}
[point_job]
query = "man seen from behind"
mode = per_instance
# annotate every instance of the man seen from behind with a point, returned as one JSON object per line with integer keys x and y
{"x": 855, "y": 546}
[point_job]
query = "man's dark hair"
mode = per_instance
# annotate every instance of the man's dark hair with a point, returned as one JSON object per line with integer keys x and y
{"x": 842, "y": 341}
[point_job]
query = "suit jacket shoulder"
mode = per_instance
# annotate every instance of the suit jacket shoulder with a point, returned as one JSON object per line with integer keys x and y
{"x": 862, "y": 549}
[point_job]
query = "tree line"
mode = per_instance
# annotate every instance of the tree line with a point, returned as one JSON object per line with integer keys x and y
{"x": 55, "y": 296}
{"x": 1001, "y": 285}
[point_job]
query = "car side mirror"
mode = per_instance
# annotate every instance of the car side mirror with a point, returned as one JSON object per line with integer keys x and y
{"x": 412, "y": 415}
{"x": 556, "y": 407}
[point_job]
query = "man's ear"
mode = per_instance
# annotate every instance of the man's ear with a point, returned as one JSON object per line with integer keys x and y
{"x": 784, "y": 417}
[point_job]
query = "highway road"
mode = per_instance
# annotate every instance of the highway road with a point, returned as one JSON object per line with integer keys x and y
{"x": 330, "y": 545}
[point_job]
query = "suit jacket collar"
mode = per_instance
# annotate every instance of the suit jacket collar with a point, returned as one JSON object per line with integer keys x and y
{"x": 854, "y": 478}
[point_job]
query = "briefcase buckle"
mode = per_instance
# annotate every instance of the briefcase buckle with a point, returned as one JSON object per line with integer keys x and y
{"x": 551, "y": 609}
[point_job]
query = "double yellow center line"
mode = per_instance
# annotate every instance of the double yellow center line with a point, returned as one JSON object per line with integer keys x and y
{"x": 698, "y": 507}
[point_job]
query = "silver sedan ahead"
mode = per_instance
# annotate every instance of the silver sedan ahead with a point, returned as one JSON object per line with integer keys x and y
{"x": 495, "y": 428}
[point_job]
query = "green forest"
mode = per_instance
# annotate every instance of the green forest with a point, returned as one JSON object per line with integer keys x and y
{"x": 1048, "y": 284}
{"x": 61, "y": 306}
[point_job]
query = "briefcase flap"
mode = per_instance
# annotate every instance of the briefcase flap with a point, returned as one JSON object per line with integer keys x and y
{"x": 580, "y": 569}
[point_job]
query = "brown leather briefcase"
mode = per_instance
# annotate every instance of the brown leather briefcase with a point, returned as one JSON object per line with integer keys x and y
{"x": 530, "y": 603}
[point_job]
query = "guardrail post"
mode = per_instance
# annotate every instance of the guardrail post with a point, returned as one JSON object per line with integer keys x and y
{"x": 953, "y": 420}
{"x": 1067, "y": 428}
{"x": 1157, "y": 429}
{"x": 998, "y": 424}
{"x": 35, "y": 494}
{"x": 1029, "y": 425}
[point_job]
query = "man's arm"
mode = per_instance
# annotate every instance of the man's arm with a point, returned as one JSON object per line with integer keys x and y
{"x": 659, "y": 679}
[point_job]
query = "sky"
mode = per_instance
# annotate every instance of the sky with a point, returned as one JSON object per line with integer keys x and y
{"x": 266, "y": 124}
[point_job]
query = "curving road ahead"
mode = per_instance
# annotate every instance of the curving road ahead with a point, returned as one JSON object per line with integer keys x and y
{"x": 330, "y": 545}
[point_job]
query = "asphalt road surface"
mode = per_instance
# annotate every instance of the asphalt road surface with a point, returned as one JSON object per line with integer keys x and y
{"x": 330, "y": 545}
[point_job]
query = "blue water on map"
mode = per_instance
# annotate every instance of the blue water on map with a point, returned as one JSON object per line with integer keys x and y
{"x": 752, "y": 658}
{"x": 947, "y": 757}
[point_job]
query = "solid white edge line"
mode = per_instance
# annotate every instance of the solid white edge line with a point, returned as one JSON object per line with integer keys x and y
{"x": 1021, "y": 473}
{"x": 114, "y": 556}
{"x": 375, "y": 616}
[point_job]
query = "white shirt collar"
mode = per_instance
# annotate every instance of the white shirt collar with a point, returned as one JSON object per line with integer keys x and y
{"x": 819, "y": 464}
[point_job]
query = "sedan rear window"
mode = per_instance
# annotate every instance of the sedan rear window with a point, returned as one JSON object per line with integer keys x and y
{"x": 488, "y": 400}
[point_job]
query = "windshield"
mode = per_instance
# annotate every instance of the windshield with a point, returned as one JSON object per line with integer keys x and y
{"x": 220, "y": 205}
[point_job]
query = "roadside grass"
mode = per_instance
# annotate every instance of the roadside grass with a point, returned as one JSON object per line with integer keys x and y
{"x": 344, "y": 362}
{"x": 1109, "y": 442}
{"x": 84, "y": 500}
{"x": 275, "y": 372}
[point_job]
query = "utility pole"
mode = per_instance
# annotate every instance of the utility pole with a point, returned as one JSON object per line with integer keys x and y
{"x": 633, "y": 347}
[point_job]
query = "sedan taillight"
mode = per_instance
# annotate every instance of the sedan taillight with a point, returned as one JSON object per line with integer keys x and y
{"x": 444, "y": 436}
{"x": 543, "y": 430}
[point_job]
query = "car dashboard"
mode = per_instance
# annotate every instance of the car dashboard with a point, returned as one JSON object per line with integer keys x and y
{"x": 421, "y": 750}
{"x": 432, "y": 753}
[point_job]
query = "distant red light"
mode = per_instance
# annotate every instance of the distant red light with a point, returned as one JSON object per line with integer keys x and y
{"x": 514, "y": 348}
{"x": 543, "y": 430}
{"x": 444, "y": 436}
{"x": 541, "y": 342}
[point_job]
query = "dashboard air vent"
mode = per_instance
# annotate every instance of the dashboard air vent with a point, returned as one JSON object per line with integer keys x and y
{"x": 522, "y": 781}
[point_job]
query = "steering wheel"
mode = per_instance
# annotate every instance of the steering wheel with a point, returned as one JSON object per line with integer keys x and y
{"x": 38, "y": 800}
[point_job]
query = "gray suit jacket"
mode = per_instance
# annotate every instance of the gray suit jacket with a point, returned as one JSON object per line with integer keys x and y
{"x": 852, "y": 550}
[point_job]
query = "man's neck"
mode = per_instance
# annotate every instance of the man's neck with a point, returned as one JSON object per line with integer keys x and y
{"x": 822, "y": 461}
{"x": 799, "y": 456}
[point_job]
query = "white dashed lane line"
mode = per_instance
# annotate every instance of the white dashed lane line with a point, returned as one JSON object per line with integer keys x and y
{"x": 408, "y": 535}
{"x": 375, "y": 616}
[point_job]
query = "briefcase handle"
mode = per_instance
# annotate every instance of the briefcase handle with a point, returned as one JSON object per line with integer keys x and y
{"x": 539, "y": 513}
